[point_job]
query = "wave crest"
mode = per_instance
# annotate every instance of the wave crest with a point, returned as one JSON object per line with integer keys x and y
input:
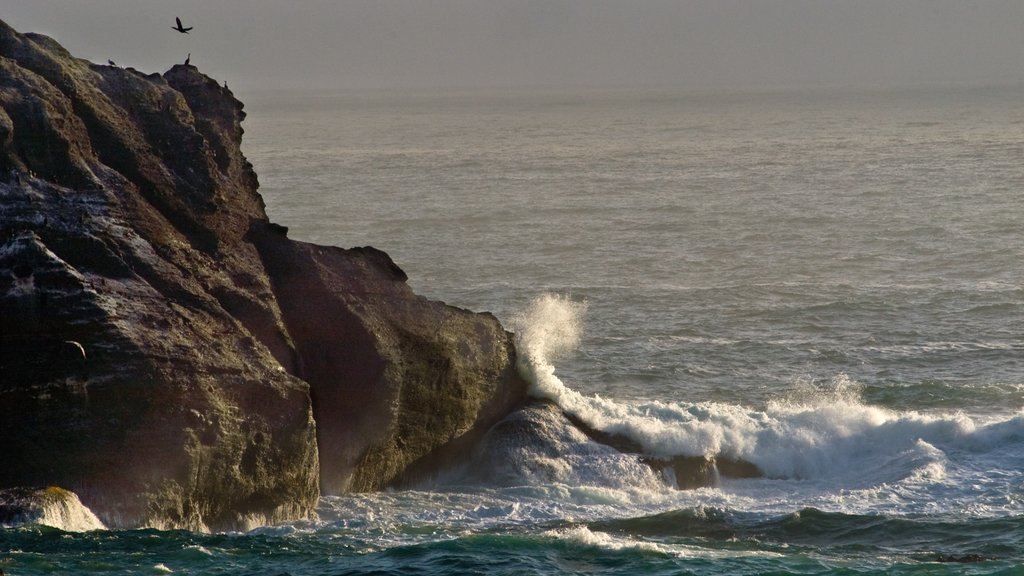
{"x": 813, "y": 433}
{"x": 548, "y": 330}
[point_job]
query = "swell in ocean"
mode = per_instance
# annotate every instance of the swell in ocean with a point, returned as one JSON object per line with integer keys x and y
{"x": 825, "y": 442}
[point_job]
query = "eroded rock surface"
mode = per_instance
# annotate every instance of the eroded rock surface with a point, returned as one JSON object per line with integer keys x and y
{"x": 169, "y": 354}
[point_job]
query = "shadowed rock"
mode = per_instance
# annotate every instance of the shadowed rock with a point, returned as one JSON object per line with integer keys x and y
{"x": 167, "y": 353}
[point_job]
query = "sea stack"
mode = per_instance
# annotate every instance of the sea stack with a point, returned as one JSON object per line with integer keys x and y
{"x": 167, "y": 353}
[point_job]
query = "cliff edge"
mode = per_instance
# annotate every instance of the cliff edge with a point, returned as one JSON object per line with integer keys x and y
{"x": 166, "y": 352}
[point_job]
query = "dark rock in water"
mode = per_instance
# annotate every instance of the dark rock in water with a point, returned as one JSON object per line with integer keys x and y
{"x": 166, "y": 352}
{"x": 685, "y": 472}
{"x": 539, "y": 445}
{"x": 700, "y": 471}
{"x": 51, "y": 506}
{"x": 529, "y": 447}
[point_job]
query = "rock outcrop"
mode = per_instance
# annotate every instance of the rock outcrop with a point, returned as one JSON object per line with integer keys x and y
{"x": 55, "y": 507}
{"x": 541, "y": 444}
{"x": 166, "y": 352}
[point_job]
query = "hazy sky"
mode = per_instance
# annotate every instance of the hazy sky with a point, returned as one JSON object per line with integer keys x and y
{"x": 359, "y": 44}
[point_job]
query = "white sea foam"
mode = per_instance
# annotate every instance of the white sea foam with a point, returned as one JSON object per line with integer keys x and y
{"x": 584, "y": 536}
{"x": 200, "y": 549}
{"x": 813, "y": 433}
{"x": 55, "y": 507}
{"x": 70, "y": 515}
{"x": 550, "y": 328}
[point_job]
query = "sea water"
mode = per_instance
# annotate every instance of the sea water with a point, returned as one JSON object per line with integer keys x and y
{"x": 827, "y": 284}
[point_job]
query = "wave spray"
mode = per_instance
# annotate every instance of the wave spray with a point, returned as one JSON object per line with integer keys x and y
{"x": 827, "y": 433}
{"x": 545, "y": 332}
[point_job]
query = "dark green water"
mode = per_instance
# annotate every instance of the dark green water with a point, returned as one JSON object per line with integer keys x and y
{"x": 679, "y": 542}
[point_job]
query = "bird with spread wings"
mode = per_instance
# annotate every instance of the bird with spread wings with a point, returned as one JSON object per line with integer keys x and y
{"x": 179, "y": 27}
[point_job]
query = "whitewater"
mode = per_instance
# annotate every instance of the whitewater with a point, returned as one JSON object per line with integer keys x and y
{"x": 826, "y": 285}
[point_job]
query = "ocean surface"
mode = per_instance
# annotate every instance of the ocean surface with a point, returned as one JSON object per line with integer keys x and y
{"x": 827, "y": 284}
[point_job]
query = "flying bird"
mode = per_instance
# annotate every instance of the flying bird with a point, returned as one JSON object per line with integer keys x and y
{"x": 179, "y": 27}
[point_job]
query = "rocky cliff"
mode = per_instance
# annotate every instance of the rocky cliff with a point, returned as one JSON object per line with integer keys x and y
{"x": 166, "y": 352}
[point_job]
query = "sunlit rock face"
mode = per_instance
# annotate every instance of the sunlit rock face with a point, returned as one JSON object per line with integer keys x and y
{"x": 169, "y": 354}
{"x": 401, "y": 386}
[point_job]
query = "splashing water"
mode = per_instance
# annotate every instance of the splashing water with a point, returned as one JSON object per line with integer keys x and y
{"x": 545, "y": 332}
{"x": 815, "y": 433}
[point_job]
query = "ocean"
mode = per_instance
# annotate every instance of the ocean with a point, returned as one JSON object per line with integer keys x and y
{"x": 827, "y": 284}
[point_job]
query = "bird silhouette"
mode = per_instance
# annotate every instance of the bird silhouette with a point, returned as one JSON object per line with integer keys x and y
{"x": 187, "y": 58}
{"x": 179, "y": 27}
{"x": 111, "y": 62}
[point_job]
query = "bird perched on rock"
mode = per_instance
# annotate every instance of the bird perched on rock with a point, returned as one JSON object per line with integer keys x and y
{"x": 111, "y": 62}
{"x": 187, "y": 58}
{"x": 179, "y": 27}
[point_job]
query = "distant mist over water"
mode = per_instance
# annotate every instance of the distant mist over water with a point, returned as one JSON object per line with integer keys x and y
{"x": 722, "y": 241}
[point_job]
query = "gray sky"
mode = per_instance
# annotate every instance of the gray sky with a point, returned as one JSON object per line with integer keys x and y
{"x": 357, "y": 44}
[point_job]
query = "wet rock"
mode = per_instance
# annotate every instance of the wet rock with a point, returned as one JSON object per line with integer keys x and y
{"x": 50, "y": 506}
{"x": 539, "y": 445}
{"x": 683, "y": 471}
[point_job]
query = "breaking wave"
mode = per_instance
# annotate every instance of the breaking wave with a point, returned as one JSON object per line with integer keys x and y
{"x": 54, "y": 507}
{"x": 815, "y": 433}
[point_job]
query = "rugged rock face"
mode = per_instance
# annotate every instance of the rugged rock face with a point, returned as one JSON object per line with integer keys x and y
{"x": 168, "y": 353}
{"x": 399, "y": 384}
